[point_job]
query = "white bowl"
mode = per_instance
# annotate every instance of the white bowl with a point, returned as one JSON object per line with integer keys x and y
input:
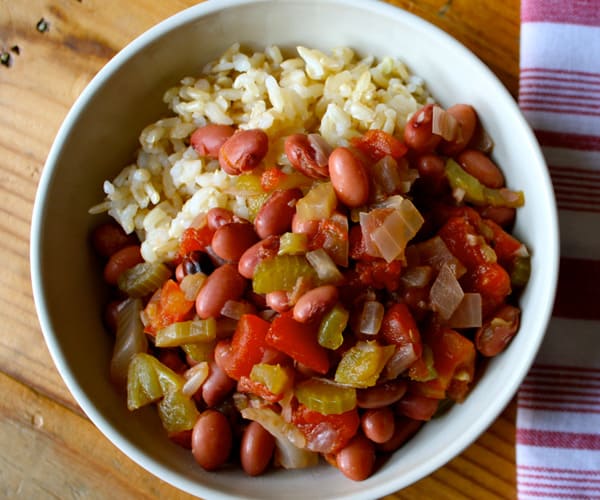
{"x": 98, "y": 138}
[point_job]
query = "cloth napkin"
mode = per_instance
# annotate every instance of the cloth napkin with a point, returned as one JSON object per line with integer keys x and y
{"x": 558, "y": 416}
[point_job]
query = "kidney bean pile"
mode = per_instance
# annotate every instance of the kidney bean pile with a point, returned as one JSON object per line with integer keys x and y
{"x": 359, "y": 302}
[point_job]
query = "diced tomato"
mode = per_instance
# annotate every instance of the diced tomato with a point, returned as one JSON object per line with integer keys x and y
{"x": 492, "y": 281}
{"x": 271, "y": 178}
{"x": 237, "y": 356}
{"x": 417, "y": 407}
{"x": 376, "y": 144}
{"x": 399, "y": 327}
{"x": 194, "y": 238}
{"x": 505, "y": 245}
{"x": 332, "y": 236}
{"x": 462, "y": 238}
{"x": 326, "y": 433}
{"x": 245, "y": 384}
{"x": 299, "y": 341}
{"x": 454, "y": 358}
{"x": 379, "y": 274}
{"x": 167, "y": 305}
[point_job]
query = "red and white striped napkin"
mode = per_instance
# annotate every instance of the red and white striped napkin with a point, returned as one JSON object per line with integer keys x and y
{"x": 558, "y": 418}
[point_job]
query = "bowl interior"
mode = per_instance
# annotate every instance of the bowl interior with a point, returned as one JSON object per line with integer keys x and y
{"x": 99, "y": 137}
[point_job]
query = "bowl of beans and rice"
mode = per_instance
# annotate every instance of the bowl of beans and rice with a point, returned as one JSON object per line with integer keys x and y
{"x": 232, "y": 182}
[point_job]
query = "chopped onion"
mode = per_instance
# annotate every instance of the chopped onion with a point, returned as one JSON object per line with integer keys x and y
{"x": 434, "y": 252}
{"x": 321, "y": 148}
{"x": 459, "y": 194}
{"x": 468, "y": 312}
{"x": 289, "y": 440}
{"x": 396, "y": 230}
{"x": 446, "y": 293}
{"x": 417, "y": 276}
{"x": 130, "y": 340}
{"x": 326, "y": 269}
{"x": 195, "y": 377}
{"x": 402, "y": 358}
{"x": 235, "y": 309}
{"x": 371, "y": 317}
{"x": 191, "y": 284}
{"x": 522, "y": 251}
{"x": 444, "y": 124}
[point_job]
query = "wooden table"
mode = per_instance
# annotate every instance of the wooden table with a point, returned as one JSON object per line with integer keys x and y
{"x": 48, "y": 448}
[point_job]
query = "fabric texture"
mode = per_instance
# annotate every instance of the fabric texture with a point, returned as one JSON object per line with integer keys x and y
{"x": 558, "y": 417}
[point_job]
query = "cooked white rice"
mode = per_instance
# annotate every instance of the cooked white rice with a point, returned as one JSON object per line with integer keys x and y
{"x": 338, "y": 95}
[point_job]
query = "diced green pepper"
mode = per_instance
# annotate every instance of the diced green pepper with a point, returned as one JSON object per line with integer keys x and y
{"x": 143, "y": 386}
{"x": 281, "y": 273}
{"x": 200, "y": 351}
{"x": 325, "y": 397}
{"x": 186, "y": 332}
{"x": 361, "y": 365}
{"x": 274, "y": 377}
{"x": 143, "y": 279}
{"x": 332, "y": 327}
{"x": 293, "y": 244}
{"x": 477, "y": 193}
{"x": 177, "y": 412}
{"x": 521, "y": 269}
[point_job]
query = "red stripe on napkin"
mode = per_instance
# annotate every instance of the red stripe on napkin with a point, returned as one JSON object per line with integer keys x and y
{"x": 578, "y": 282}
{"x": 558, "y": 11}
{"x": 553, "y": 439}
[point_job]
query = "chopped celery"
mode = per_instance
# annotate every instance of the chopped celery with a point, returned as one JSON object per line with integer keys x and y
{"x": 325, "y": 396}
{"x": 293, "y": 244}
{"x": 361, "y": 365}
{"x": 274, "y": 377}
{"x": 143, "y": 279}
{"x": 332, "y": 327}
{"x": 200, "y": 351}
{"x": 281, "y": 273}
{"x": 319, "y": 203}
{"x": 477, "y": 193}
{"x": 177, "y": 412}
{"x": 185, "y": 332}
{"x": 521, "y": 269}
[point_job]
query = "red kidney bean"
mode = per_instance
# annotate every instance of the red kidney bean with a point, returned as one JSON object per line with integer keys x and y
{"x": 179, "y": 272}
{"x": 314, "y": 303}
{"x": 225, "y": 283}
{"x": 303, "y": 157}
{"x": 467, "y": 119}
{"x": 381, "y": 395}
{"x": 217, "y": 385}
{"x": 404, "y": 428}
{"x": 275, "y": 216}
{"x": 256, "y": 449}
{"x": 208, "y": 140}
{"x": 109, "y": 237}
{"x": 257, "y": 252}
{"x": 243, "y": 151}
{"x": 482, "y": 167}
{"x": 417, "y": 407}
{"x": 493, "y": 337}
{"x": 308, "y": 227}
{"x": 279, "y": 301}
{"x": 503, "y": 216}
{"x": 432, "y": 172}
{"x": 378, "y": 425}
{"x": 211, "y": 439}
{"x": 348, "y": 177}
{"x": 217, "y": 217}
{"x": 111, "y": 312}
{"x": 120, "y": 261}
{"x": 231, "y": 240}
{"x": 357, "y": 460}
{"x": 417, "y": 133}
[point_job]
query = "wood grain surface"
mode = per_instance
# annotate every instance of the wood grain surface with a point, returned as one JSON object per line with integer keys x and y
{"x": 48, "y": 448}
